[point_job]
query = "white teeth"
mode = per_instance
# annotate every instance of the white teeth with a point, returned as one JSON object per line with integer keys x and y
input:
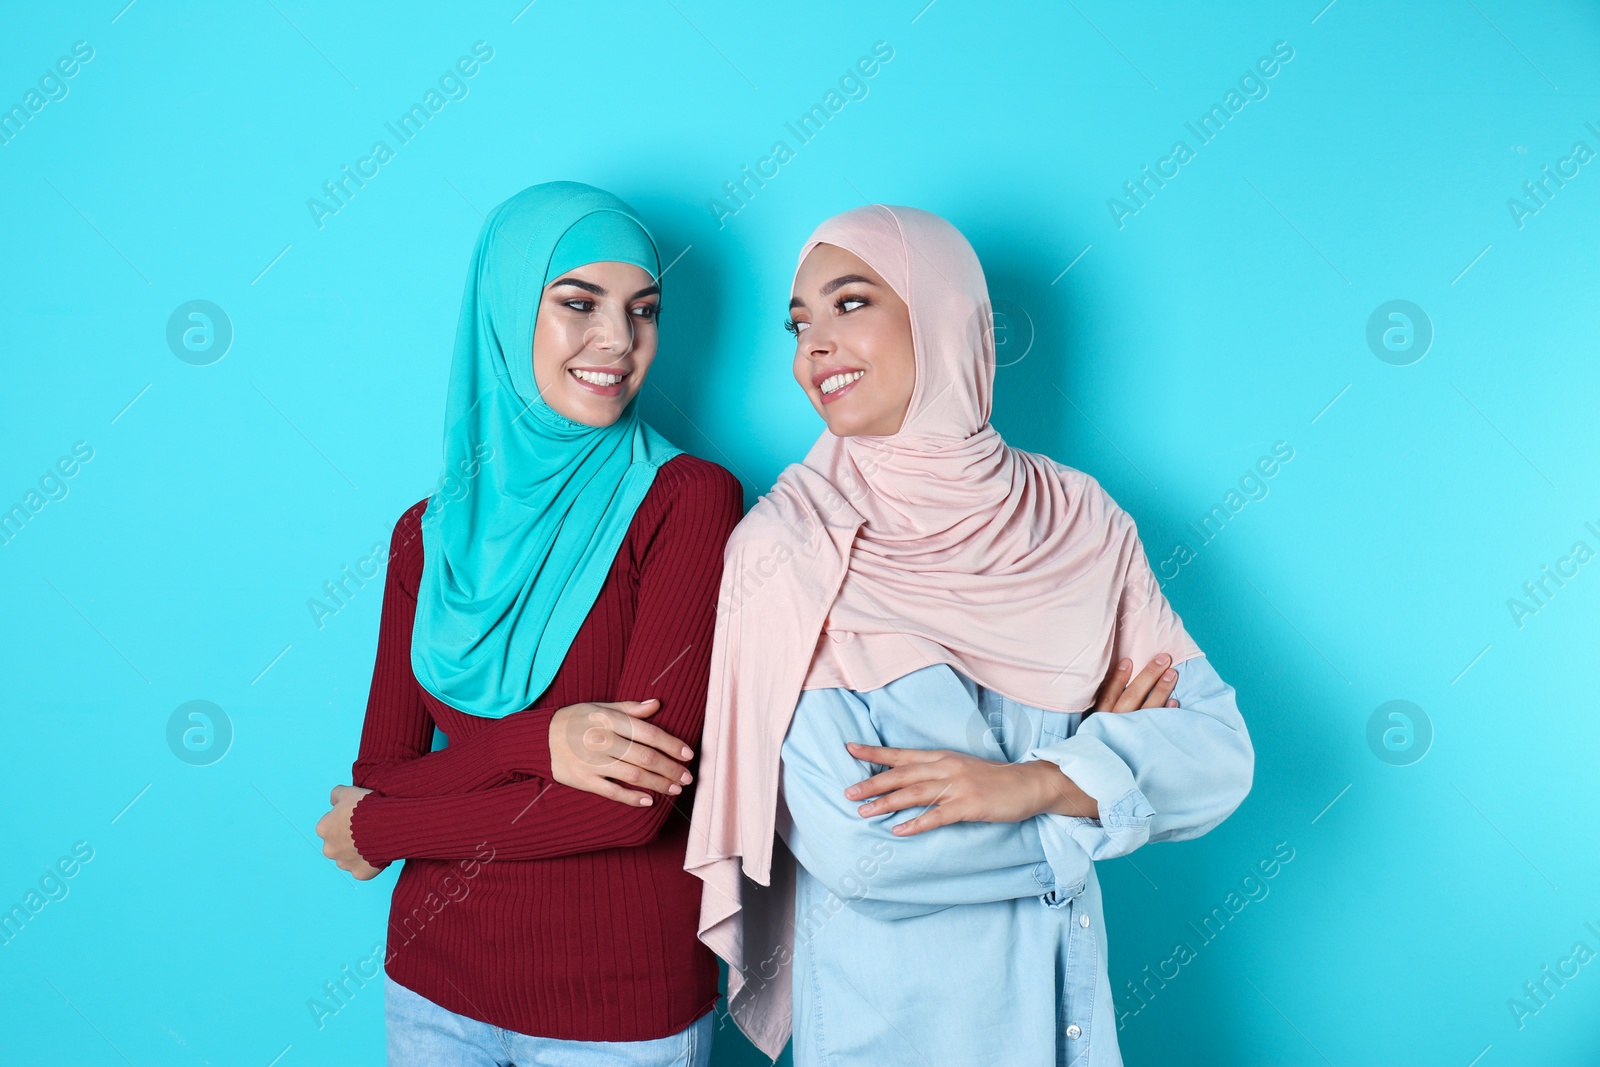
{"x": 839, "y": 381}
{"x": 596, "y": 378}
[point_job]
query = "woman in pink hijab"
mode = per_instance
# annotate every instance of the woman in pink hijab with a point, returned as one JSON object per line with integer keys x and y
{"x": 919, "y": 619}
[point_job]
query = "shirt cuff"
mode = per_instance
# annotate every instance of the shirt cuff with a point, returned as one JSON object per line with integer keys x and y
{"x": 1066, "y": 862}
{"x": 1125, "y": 812}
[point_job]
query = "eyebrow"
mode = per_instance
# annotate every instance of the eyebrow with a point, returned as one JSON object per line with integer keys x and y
{"x": 598, "y": 290}
{"x": 838, "y": 283}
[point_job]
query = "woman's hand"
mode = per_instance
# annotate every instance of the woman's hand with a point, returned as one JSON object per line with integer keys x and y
{"x": 334, "y": 829}
{"x": 961, "y": 788}
{"x": 594, "y": 746}
{"x": 964, "y": 788}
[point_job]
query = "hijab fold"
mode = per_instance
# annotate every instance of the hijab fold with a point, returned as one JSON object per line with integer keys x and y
{"x": 532, "y": 506}
{"x": 878, "y": 555}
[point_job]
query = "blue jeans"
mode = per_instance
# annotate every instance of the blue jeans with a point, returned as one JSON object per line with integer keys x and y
{"x": 422, "y": 1034}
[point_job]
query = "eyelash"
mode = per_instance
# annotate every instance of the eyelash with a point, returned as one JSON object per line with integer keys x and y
{"x": 794, "y": 327}
{"x": 653, "y": 311}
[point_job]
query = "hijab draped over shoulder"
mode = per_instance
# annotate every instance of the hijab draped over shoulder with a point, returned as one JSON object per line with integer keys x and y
{"x": 878, "y": 555}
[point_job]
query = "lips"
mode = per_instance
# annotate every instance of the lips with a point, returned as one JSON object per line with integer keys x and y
{"x": 834, "y": 382}
{"x": 601, "y": 381}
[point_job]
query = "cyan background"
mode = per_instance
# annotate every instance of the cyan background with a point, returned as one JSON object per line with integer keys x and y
{"x": 1228, "y": 314}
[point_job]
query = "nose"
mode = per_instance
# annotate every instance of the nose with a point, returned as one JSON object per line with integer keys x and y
{"x": 816, "y": 341}
{"x": 610, "y": 331}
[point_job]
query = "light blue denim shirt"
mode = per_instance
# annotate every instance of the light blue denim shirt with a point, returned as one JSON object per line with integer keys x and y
{"x": 982, "y": 943}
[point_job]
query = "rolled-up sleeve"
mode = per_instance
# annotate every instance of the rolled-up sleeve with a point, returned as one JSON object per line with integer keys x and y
{"x": 879, "y": 873}
{"x": 1158, "y": 774}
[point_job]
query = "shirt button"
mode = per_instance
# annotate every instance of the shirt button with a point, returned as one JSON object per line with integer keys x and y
{"x": 1074, "y": 1031}
{"x": 1083, "y": 921}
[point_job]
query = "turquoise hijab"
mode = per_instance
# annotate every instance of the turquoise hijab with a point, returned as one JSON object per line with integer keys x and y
{"x": 532, "y": 506}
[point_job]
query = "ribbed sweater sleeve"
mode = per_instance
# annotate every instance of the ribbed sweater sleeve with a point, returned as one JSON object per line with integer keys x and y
{"x": 395, "y": 739}
{"x": 496, "y": 787}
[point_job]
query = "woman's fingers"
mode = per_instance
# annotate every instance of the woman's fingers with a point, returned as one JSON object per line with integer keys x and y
{"x": 630, "y": 726}
{"x": 646, "y": 748}
{"x": 1150, "y": 688}
{"x": 879, "y": 783}
{"x": 649, "y": 761}
{"x": 656, "y": 738}
{"x": 917, "y": 794}
{"x": 893, "y": 757}
{"x": 612, "y": 791}
{"x": 936, "y": 816}
{"x": 614, "y": 744}
{"x": 592, "y": 779}
{"x": 635, "y": 762}
{"x": 893, "y": 778}
{"x": 1163, "y": 689}
{"x": 1139, "y": 688}
{"x": 637, "y": 708}
{"x": 1112, "y": 688}
{"x": 634, "y": 775}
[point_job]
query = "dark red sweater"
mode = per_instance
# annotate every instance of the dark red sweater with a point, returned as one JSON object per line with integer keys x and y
{"x": 525, "y": 903}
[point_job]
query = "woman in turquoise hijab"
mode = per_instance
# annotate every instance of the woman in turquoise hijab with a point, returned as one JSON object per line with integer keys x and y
{"x": 549, "y": 610}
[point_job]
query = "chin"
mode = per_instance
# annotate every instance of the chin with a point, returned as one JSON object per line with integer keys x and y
{"x": 845, "y": 428}
{"x": 592, "y": 411}
{"x": 841, "y": 423}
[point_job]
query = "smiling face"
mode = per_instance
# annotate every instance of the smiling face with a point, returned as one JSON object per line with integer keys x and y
{"x": 853, "y": 354}
{"x": 595, "y": 339}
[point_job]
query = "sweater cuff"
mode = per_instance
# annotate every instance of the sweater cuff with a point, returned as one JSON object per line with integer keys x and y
{"x": 527, "y": 754}
{"x": 367, "y": 830}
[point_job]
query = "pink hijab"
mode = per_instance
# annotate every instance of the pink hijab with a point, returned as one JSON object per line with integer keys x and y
{"x": 876, "y": 556}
